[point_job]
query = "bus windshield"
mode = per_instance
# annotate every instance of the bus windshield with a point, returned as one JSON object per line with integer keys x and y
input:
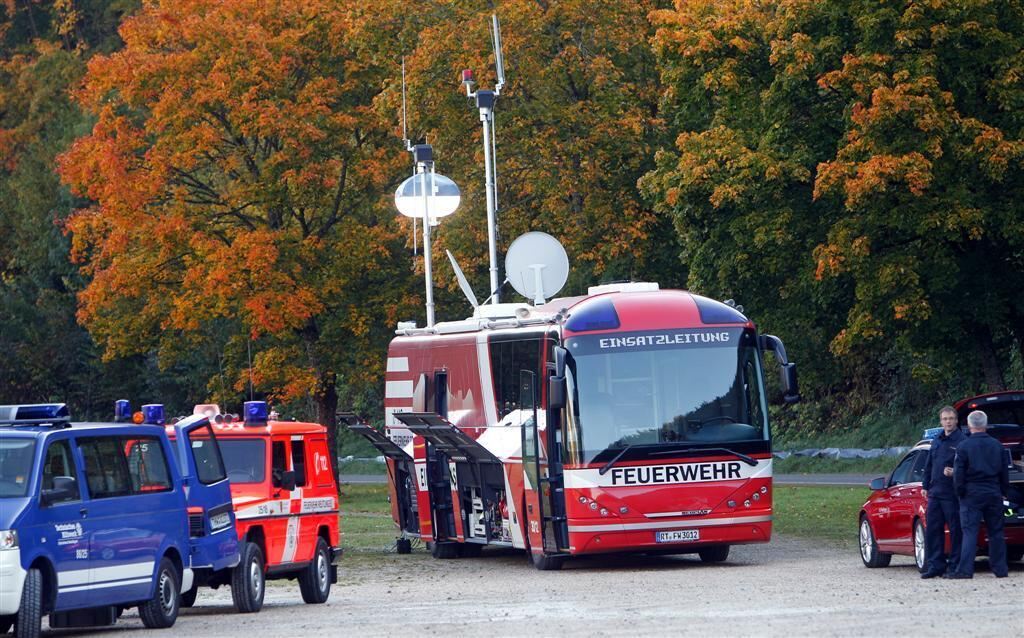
{"x": 678, "y": 387}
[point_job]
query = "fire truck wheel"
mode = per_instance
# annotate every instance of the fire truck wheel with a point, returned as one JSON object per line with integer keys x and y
{"x": 716, "y": 554}
{"x": 189, "y": 598}
{"x": 161, "y": 611}
{"x": 403, "y": 546}
{"x": 315, "y": 579}
{"x": 29, "y": 620}
{"x": 547, "y": 563}
{"x": 470, "y": 550}
{"x": 247, "y": 580}
{"x": 444, "y": 550}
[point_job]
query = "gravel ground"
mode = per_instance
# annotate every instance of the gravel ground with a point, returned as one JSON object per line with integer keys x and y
{"x": 786, "y": 588}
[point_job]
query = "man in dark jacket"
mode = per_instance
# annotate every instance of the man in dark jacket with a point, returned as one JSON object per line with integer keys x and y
{"x": 943, "y": 505}
{"x": 982, "y": 482}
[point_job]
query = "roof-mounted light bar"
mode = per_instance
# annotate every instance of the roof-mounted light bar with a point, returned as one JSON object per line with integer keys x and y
{"x": 35, "y": 414}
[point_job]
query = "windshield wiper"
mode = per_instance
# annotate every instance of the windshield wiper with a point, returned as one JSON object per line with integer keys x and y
{"x": 743, "y": 457}
{"x": 609, "y": 464}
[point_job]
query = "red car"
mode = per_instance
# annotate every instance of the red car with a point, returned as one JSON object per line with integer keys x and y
{"x": 892, "y": 520}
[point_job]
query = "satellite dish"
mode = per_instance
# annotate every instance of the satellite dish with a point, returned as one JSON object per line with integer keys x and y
{"x": 463, "y": 282}
{"x": 536, "y": 265}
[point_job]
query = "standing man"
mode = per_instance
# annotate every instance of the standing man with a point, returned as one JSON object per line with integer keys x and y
{"x": 943, "y": 505}
{"x": 982, "y": 482}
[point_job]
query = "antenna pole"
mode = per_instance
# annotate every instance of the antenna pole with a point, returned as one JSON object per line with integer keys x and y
{"x": 486, "y": 116}
{"x": 426, "y": 168}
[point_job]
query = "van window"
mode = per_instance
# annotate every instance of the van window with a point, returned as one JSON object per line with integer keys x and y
{"x": 277, "y": 462}
{"x": 206, "y": 452}
{"x": 106, "y": 469}
{"x": 299, "y": 461}
{"x": 59, "y": 462}
{"x": 148, "y": 465}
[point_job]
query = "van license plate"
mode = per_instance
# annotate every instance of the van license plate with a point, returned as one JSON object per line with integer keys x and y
{"x": 678, "y": 535}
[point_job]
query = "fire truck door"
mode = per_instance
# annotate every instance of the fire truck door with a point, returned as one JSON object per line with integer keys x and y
{"x": 537, "y": 492}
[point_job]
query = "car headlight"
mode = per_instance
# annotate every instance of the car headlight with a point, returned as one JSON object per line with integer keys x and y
{"x": 8, "y": 539}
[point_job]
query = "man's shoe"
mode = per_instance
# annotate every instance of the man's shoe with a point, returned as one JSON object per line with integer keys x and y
{"x": 957, "y": 576}
{"x": 931, "y": 574}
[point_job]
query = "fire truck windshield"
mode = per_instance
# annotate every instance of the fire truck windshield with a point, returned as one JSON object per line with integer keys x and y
{"x": 246, "y": 459}
{"x": 664, "y": 388}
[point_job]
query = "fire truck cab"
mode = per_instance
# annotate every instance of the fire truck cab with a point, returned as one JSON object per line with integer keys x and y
{"x": 285, "y": 501}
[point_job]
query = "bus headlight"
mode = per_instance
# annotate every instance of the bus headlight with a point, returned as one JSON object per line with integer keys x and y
{"x": 8, "y": 539}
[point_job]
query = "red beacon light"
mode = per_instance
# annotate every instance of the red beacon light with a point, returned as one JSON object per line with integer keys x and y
{"x": 467, "y": 76}
{"x": 256, "y": 413}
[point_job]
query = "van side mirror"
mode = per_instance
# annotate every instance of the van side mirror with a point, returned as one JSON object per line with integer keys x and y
{"x": 556, "y": 393}
{"x": 877, "y": 483}
{"x": 64, "y": 489}
{"x": 288, "y": 480}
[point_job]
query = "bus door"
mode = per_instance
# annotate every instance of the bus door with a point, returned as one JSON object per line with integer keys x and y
{"x": 539, "y": 492}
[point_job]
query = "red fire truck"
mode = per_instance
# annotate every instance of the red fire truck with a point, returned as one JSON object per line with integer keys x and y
{"x": 632, "y": 419}
{"x": 286, "y": 505}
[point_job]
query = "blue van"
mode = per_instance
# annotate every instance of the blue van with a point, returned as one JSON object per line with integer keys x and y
{"x": 94, "y": 519}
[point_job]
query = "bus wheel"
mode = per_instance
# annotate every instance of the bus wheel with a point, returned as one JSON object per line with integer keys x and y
{"x": 403, "y": 546}
{"x": 547, "y": 563}
{"x": 470, "y": 550}
{"x": 248, "y": 580}
{"x": 30, "y": 611}
{"x": 445, "y": 550}
{"x": 315, "y": 580}
{"x": 716, "y": 554}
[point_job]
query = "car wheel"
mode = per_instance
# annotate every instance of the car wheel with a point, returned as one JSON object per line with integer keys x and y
{"x": 28, "y": 622}
{"x": 445, "y": 550}
{"x": 161, "y": 611}
{"x": 315, "y": 579}
{"x": 716, "y": 554}
{"x": 248, "y": 580}
{"x": 919, "y": 547}
{"x": 869, "y": 548}
{"x": 1014, "y": 553}
{"x": 546, "y": 563}
{"x": 403, "y": 546}
{"x": 189, "y": 598}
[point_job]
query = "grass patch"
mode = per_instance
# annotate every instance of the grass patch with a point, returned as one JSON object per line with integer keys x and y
{"x": 362, "y": 467}
{"x": 811, "y": 465}
{"x": 366, "y": 523}
{"x": 820, "y": 513}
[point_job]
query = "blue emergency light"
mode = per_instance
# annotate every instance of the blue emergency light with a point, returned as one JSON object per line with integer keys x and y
{"x": 38, "y": 413}
{"x": 153, "y": 413}
{"x": 599, "y": 315}
{"x": 122, "y": 411}
{"x": 256, "y": 412}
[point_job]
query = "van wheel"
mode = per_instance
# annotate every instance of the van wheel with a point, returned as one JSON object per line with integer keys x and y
{"x": 869, "y": 548}
{"x": 189, "y": 598}
{"x": 546, "y": 563}
{"x": 248, "y": 580}
{"x": 403, "y": 546}
{"x": 161, "y": 611}
{"x": 315, "y": 579}
{"x": 28, "y": 622}
{"x": 716, "y": 554}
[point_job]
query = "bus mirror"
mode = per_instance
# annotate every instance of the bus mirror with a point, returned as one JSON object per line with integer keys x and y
{"x": 556, "y": 393}
{"x": 560, "y": 354}
{"x": 790, "y": 387}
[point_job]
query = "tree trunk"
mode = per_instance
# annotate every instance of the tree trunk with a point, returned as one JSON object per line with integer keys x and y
{"x": 326, "y": 397}
{"x": 994, "y": 381}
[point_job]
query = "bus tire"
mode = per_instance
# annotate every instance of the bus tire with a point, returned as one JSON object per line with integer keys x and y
{"x": 445, "y": 550}
{"x": 29, "y": 620}
{"x": 248, "y": 580}
{"x": 546, "y": 563}
{"x": 315, "y": 579}
{"x": 161, "y": 610}
{"x": 470, "y": 550}
{"x": 716, "y": 554}
{"x": 403, "y": 546}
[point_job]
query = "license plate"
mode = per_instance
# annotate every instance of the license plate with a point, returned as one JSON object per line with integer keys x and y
{"x": 677, "y": 535}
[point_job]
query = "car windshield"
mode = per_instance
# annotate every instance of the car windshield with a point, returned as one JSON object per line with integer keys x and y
{"x": 16, "y": 454}
{"x": 679, "y": 388}
{"x": 246, "y": 459}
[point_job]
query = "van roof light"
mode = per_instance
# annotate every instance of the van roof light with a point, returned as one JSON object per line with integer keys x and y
{"x": 122, "y": 411}
{"x": 153, "y": 413}
{"x": 256, "y": 412}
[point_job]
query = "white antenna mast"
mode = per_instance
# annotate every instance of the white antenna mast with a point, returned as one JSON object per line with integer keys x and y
{"x": 485, "y": 104}
{"x": 408, "y": 147}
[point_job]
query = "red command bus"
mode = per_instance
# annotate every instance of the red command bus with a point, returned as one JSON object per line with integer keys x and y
{"x": 632, "y": 419}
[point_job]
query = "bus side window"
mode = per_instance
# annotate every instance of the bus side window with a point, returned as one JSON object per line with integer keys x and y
{"x": 299, "y": 462}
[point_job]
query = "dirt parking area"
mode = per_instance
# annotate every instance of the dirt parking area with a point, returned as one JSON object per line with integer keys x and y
{"x": 787, "y": 588}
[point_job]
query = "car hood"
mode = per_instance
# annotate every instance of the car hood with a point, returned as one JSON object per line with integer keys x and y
{"x": 10, "y": 510}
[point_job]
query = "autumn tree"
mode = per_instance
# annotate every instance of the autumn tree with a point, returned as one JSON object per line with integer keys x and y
{"x": 853, "y": 169}
{"x": 238, "y": 174}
